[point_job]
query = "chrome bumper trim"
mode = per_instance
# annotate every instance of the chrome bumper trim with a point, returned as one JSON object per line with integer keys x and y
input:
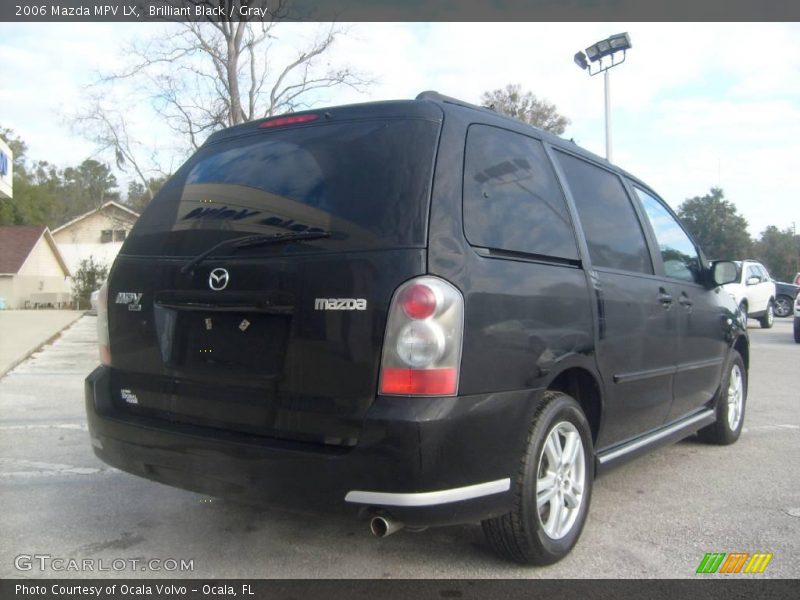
{"x": 429, "y": 498}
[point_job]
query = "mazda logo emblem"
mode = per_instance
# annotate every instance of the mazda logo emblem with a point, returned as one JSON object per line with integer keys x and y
{"x": 218, "y": 279}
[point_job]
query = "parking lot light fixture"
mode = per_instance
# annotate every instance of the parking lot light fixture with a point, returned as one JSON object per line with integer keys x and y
{"x": 620, "y": 41}
{"x": 593, "y": 62}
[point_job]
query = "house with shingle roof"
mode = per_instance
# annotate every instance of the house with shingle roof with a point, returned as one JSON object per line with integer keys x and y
{"x": 32, "y": 270}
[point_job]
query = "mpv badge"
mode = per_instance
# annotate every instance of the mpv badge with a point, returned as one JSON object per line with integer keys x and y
{"x": 218, "y": 279}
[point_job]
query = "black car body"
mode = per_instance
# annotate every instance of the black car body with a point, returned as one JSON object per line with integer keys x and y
{"x": 796, "y": 323}
{"x": 274, "y": 370}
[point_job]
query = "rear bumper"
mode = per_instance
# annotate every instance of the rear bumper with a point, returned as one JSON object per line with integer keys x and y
{"x": 424, "y": 461}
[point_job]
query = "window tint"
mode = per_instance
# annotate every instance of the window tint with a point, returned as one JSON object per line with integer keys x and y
{"x": 366, "y": 182}
{"x": 678, "y": 253}
{"x": 613, "y": 232}
{"x": 512, "y": 200}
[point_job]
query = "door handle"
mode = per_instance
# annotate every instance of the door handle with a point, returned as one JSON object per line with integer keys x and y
{"x": 664, "y": 298}
{"x": 684, "y": 301}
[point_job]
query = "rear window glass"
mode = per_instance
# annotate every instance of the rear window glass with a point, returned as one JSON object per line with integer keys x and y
{"x": 512, "y": 200}
{"x": 367, "y": 183}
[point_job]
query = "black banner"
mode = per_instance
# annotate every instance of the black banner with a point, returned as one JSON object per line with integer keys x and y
{"x": 398, "y": 10}
{"x": 433, "y": 589}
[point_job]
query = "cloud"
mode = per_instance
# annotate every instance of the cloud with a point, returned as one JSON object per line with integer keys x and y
{"x": 695, "y": 104}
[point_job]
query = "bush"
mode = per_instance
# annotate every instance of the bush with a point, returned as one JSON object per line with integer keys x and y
{"x": 87, "y": 278}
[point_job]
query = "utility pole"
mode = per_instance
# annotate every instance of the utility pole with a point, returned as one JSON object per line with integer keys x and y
{"x": 607, "y": 85}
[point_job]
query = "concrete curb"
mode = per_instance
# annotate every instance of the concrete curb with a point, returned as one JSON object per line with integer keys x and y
{"x": 6, "y": 370}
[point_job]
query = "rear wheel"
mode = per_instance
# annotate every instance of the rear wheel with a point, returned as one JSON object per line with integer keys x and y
{"x": 769, "y": 317}
{"x": 552, "y": 488}
{"x": 783, "y": 306}
{"x": 731, "y": 401}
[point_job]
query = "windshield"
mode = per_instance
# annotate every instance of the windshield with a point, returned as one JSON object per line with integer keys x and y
{"x": 365, "y": 183}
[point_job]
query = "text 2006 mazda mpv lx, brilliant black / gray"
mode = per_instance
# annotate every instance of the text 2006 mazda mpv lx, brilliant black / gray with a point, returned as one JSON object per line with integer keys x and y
{"x": 420, "y": 310}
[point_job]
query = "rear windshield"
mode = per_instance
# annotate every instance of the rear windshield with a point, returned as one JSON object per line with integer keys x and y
{"x": 367, "y": 183}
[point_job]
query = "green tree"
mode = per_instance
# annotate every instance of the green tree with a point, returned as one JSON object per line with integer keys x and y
{"x": 139, "y": 197}
{"x": 36, "y": 186}
{"x": 87, "y": 187}
{"x": 88, "y": 277}
{"x": 717, "y": 226}
{"x": 526, "y": 107}
{"x": 46, "y": 195}
{"x": 778, "y": 251}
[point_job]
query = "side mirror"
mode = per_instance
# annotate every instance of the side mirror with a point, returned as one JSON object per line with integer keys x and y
{"x": 724, "y": 271}
{"x": 753, "y": 280}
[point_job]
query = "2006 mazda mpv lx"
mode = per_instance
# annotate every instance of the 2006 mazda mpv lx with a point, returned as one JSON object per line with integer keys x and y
{"x": 419, "y": 310}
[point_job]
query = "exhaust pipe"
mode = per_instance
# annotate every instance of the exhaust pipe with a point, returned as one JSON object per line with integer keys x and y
{"x": 383, "y": 526}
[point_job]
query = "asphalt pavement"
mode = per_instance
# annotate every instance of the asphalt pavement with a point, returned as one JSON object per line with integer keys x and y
{"x": 655, "y": 517}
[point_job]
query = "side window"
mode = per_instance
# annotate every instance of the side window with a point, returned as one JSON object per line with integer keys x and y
{"x": 752, "y": 271}
{"x": 764, "y": 273}
{"x": 680, "y": 257}
{"x": 512, "y": 200}
{"x": 613, "y": 232}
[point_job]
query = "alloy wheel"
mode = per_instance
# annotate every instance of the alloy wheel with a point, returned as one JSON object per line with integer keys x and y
{"x": 735, "y": 397}
{"x": 783, "y": 307}
{"x": 560, "y": 480}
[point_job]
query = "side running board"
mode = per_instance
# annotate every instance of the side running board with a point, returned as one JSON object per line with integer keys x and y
{"x": 660, "y": 437}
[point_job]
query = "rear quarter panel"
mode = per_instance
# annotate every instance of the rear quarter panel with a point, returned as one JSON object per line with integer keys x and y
{"x": 525, "y": 321}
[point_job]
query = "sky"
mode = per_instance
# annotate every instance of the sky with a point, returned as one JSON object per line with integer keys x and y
{"x": 694, "y": 105}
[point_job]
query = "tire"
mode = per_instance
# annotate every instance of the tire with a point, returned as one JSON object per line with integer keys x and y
{"x": 769, "y": 316}
{"x": 783, "y": 306}
{"x": 743, "y": 310}
{"x": 530, "y": 535}
{"x": 797, "y": 330}
{"x": 730, "y": 409}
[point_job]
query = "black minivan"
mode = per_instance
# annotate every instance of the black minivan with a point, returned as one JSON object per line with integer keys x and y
{"x": 422, "y": 311}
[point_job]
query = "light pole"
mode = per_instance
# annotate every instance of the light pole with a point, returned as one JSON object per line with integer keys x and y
{"x": 593, "y": 61}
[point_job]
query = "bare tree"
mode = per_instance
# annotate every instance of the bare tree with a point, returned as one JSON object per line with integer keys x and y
{"x": 526, "y": 107}
{"x": 108, "y": 128}
{"x": 203, "y": 76}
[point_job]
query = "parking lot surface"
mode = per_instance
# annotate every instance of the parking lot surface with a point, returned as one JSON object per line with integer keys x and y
{"x": 23, "y": 331}
{"x": 655, "y": 517}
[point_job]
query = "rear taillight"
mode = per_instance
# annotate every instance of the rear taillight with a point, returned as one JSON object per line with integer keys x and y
{"x": 422, "y": 347}
{"x": 288, "y": 120}
{"x": 418, "y": 301}
{"x": 102, "y": 325}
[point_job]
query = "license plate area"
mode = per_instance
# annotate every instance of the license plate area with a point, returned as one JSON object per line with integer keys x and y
{"x": 238, "y": 341}
{"x": 230, "y": 342}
